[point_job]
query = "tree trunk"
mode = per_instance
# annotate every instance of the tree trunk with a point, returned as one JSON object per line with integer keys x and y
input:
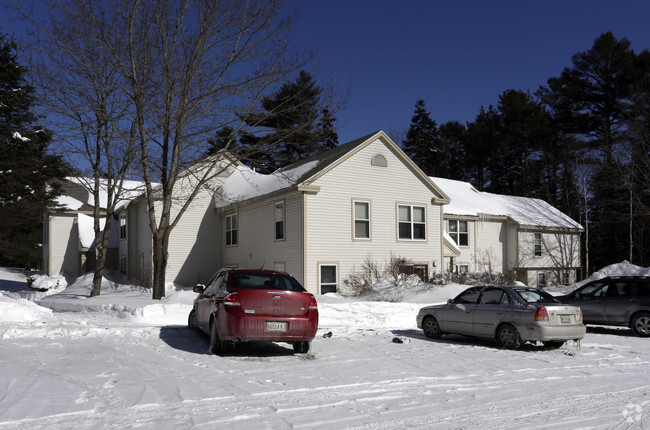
{"x": 160, "y": 257}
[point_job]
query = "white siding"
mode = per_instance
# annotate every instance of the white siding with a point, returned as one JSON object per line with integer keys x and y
{"x": 193, "y": 250}
{"x": 257, "y": 246}
{"x": 490, "y": 251}
{"x": 558, "y": 250}
{"x": 63, "y": 245}
{"x": 329, "y": 235}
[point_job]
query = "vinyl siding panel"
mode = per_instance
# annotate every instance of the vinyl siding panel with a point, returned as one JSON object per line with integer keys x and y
{"x": 193, "y": 250}
{"x": 257, "y": 246}
{"x": 329, "y": 221}
{"x": 490, "y": 246}
{"x": 64, "y": 245}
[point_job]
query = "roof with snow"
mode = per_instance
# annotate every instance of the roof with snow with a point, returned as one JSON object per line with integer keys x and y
{"x": 467, "y": 200}
{"x": 244, "y": 183}
{"x": 77, "y": 194}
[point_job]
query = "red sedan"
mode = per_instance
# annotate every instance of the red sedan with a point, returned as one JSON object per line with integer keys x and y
{"x": 240, "y": 305}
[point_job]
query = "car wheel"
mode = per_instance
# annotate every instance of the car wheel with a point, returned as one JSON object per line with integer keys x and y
{"x": 641, "y": 324}
{"x": 508, "y": 337}
{"x": 301, "y": 347}
{"x": 431, "y": 328}
{"x": 553, "y": 344}
{"x": 216, "y": 344}
{"x": 192, "y": 323}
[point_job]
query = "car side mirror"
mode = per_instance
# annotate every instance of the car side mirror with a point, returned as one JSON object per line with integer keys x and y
{"x": 199, "y": 288}
{"x": 450, "y": 302}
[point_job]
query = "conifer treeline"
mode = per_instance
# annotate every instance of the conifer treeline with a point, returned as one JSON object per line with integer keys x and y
{"x": 581, "y": 143}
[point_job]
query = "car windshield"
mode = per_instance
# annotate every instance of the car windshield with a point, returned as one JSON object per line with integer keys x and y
{"x": 268, "y": 281}
{"x": 535, "y": 296}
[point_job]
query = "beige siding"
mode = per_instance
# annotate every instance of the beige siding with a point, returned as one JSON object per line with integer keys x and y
{"x": 490, "y": 246}
{"x": 257, "y": 246}
{"x": 558, "y": 250}
{"x": 193, "y": 250}
{"x": 329, "y": 230}
{"x": 64, "y": 245}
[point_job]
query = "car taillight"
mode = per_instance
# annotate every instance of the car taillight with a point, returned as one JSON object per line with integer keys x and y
{"x": 541, "y": 314}
{"x": 312, "y": 303}
{"x": 232, "y": 299}
{"x": 580, "y": 315}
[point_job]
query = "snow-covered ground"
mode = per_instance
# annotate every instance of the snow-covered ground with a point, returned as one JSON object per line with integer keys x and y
{"x": 121, "y": 360}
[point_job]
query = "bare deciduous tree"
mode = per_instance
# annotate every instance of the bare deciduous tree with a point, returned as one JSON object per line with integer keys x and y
{"x": 181, "y": 69}
{"x": 79, "y": 89}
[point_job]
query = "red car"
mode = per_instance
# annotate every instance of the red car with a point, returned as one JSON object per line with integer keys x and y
{"x": 240, "y": 305}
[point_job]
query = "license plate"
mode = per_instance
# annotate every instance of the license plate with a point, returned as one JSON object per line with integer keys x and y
{"x": 565, "y": 319}
{"x": 276, "y": 326}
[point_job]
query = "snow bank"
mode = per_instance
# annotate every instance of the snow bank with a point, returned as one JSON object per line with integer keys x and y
{"x": 13, "y": 308}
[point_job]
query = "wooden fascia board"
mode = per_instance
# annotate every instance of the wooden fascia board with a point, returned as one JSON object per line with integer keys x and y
{"x": 310, "y": 189}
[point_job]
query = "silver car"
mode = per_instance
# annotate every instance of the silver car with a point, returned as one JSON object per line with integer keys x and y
{"x": 511, "y": 315}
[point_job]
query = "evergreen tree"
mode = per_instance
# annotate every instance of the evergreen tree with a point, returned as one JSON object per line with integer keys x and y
{"x": 591, "y": 100}
{"x": 451, "y": 143}
{"x": 292, "y": 126}
{"x": 422, "y": 143}
{"x": 25, "y": 167}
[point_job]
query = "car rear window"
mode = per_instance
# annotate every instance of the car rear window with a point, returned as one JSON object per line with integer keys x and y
{"x": 535, "y": 296}
{"x": 267, "y": 281}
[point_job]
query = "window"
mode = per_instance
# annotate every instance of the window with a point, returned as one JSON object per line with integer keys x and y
{"x": 459, "y": 232}
{"x": 469, "y": 296}
{"x": 565, "y": 278}
{"x": 279, "y": 220}
{"x": 328, "y": 278}
{"x": 494, "y": 296}
{"x": 123, "y": 225}
{"x": 541, "y": 280}
{"x": 231, "y": 230}
{"x": 361, "y": 220}
{"x": 412, "y": 222}
{"x": 538, "y": 244}
{"x": 463, "y": 268}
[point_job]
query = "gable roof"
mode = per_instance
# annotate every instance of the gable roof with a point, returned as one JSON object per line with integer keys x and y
{"x": 468, "y": 201}
{"x": 244, "y": 183}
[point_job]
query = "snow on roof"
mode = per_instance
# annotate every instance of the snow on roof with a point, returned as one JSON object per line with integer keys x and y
{"x": 131, "y": 190}
{"x": 451, "y": 242}
{"x": 69, "y": 202}
{"x": 467, "y": 200}
{"x": 85, "y": 225}
{"x": 244, "y": 183}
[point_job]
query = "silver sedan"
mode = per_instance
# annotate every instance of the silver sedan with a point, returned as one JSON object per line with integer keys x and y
{"x": 511, "y": 315}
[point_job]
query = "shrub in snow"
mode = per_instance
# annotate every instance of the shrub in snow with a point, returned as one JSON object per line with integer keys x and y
{"x": 49, "y": 284}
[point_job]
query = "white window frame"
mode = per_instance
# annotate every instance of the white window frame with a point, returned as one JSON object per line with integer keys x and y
{"x": 322, "y": 284}
{"x": 411, "y": 222}
{"x": 231, "y": 227}
{"x": 537, "y": 244}
{"x": 283, "y": 213}
{"x": 456, "y": 235}
{"x": 356, "y": 220}
{"x": 462, "y": 268}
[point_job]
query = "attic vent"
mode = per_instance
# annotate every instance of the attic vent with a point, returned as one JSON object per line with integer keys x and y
{"x": 379, "y": 160}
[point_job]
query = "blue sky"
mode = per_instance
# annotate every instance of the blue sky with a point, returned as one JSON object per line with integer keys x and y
{"x": 455, "y": 55}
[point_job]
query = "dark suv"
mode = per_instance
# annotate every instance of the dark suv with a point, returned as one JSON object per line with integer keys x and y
{"x": 615, "y": 300}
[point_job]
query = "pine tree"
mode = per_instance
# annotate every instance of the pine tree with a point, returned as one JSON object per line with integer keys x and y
{"x": 26, "y": 170}
{"x": 292, "y": 126}
{"x": 422, "y": 143}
